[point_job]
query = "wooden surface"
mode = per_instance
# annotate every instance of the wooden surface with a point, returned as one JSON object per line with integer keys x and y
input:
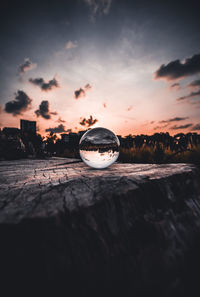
{"x": 31, "y": 188}
{"x": 131, "y": 229}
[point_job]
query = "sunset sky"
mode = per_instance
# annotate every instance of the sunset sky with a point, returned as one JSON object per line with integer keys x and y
{"x": 130, "y": 66}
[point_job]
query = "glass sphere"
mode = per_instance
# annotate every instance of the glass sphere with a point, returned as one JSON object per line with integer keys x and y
{"x": 99, "y": 148}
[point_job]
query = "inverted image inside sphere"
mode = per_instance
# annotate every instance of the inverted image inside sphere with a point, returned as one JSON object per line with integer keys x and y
{"x": 99, "y": 148}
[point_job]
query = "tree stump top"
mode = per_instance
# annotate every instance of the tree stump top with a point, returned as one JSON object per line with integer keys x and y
{"x": 41, "y": 188}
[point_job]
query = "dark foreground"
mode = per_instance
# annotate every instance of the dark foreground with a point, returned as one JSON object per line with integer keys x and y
{"x": 129, "y": 230}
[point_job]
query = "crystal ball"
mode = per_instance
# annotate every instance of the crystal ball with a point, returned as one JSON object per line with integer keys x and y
{"x": 99, "y": 148}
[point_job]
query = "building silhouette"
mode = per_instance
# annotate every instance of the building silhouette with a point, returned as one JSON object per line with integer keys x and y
{"x": 65, "y": 137}
{"x": 11, "y": 132}
{"x": 28, "y": 126}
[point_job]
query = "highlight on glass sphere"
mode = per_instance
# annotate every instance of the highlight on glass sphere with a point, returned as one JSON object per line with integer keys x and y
{"x": 99, "y": 148}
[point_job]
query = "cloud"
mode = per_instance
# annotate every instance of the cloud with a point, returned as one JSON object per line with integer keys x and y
{"x": 26, "y": 66}
{"x": 45, "y": 86}
{"x": 175, "y": 127}
{"x": 88, "y": 122}
{"x": 59, "y": 129}
{"x": 130, "y": 108}
{"x": 79, "y": 93}
{"x": 196, "y": 127}
{"x": 195, "y": 83}
{"x": 82, "y": 91}
{"x": 20, "y": 104}
{"x": 176, "y": 119}
{"x": 59, "y": 120}
{"x": 87, "y": 87}
{"x": 44, "y": 111}
{"x": 175, "y": 86}
{"x": 71, "y": 44}
{"x": 160, "y": 127}
{"x": 98, "y": 7}
{"x": 178, "y": 70}
{"x": 191, "y": 95}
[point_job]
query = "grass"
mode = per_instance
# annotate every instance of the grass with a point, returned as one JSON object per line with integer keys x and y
{"x": 147, "y": 154}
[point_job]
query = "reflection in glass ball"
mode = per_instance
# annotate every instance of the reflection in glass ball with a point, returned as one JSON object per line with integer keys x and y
{"x": 99, "y": 148}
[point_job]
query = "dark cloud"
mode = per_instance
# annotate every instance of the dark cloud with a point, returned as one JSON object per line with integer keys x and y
{"x": 82, "y": 91}
{"x": 45, "y": 86}
{"x": 195, "y": 83}
{"x": 177, "y": 70}
{"x": 59, "y": 120}
{"x": 189, "y": 96}
{"x": 20, "y": 104}
{"x": 44, "y": 111}
{"x": 88, "y": 122}
{"x": 59, "y": 129}
{"x": 175, "y": 86}
{"x": 160, "y": 127}
{"x": 176, "y": 119}
{"x": 26, "y": 66}
{"x": 175, "y": 127}
{"x": 196, "y": 127}
{"x": 79, "y": 93}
